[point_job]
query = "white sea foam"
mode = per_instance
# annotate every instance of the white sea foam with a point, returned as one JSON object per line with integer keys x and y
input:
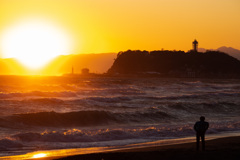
{"x": 64, "y": 112}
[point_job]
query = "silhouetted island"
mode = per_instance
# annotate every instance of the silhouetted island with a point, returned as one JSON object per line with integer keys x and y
{"x": 167, "y": 63}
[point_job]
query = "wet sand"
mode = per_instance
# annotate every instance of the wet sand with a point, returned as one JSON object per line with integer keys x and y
{"x": 218, "y": 149}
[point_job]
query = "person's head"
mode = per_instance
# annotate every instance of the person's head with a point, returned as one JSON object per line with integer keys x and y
{"x": 202, "y": 118}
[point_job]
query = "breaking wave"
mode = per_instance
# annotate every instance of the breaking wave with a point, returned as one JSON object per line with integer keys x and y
{"x": 6, "y": 144}
{"x": 70, "y": 113}
{"x": 93, "y": 137}
{"x": 81, "y": 118}
{"x": 37, "y": 94}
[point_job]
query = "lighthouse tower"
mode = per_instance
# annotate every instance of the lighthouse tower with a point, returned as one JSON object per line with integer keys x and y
{"x": 72, "y": 70}
{"x": 195, "y": 45}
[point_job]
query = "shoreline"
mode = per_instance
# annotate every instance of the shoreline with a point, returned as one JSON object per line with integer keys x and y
{"x": 227, "y": 148}
{"x": 165, "y": 147}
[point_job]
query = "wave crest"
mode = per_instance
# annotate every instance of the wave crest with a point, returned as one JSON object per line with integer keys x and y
{"x": 81, "y": 118}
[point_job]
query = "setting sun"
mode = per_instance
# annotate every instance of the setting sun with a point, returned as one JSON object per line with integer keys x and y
{"x": 35, "y": 42}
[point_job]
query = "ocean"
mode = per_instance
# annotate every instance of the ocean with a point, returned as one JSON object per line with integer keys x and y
{"x": 46, "y": 113}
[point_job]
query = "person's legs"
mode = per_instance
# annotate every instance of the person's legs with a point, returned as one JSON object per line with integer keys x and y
{"x": 197, "y": 140}
{"x": 203, "y": 141}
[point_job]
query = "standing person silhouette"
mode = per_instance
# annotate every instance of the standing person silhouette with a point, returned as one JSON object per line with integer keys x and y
{"x": 201, "y": 127}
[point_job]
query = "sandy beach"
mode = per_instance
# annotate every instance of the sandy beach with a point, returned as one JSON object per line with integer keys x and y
{"x": 221, "y": 149}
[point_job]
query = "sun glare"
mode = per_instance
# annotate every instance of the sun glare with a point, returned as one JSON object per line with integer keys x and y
{"x": 40, "y": 155}
{"x": 35, "y": 43}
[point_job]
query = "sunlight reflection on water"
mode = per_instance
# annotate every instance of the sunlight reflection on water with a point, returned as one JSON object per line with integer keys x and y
{"x": 40, "y": 155}
{"x": 53, "y": 154}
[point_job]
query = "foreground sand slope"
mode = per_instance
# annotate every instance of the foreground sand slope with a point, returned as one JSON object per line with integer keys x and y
{"x": 218, "y": 149}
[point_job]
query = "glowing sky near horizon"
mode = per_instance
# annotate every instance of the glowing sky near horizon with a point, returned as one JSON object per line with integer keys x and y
{"x": 112, "y": 26}
{"x": 34, "y": 43}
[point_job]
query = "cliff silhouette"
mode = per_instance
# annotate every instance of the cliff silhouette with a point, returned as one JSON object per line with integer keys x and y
{"x": 176, "y": 64}
{"x": 229, "y": 50}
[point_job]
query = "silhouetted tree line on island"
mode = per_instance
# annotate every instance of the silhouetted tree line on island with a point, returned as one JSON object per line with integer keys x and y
{"x": 176, "y": 64}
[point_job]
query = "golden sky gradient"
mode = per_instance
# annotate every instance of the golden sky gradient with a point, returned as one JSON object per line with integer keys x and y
{"x": 101, "y": 26}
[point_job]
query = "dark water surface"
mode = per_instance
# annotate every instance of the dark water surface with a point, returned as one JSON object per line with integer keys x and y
{"x": 41, "y": 113}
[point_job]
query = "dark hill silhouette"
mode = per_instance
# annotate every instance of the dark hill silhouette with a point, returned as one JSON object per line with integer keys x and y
{"x": 176, "y": 63}
{"x": 62, "y": 64}
{"x": 99, "y": 63}
{"x": 229, "y": 50}
{"x": 11, "y": 66}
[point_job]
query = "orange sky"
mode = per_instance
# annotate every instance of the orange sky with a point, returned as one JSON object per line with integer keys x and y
{"x": 100, "y": 26}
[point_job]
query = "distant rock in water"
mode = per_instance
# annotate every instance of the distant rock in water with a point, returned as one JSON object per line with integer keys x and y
{"x": 176, "y": 64}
